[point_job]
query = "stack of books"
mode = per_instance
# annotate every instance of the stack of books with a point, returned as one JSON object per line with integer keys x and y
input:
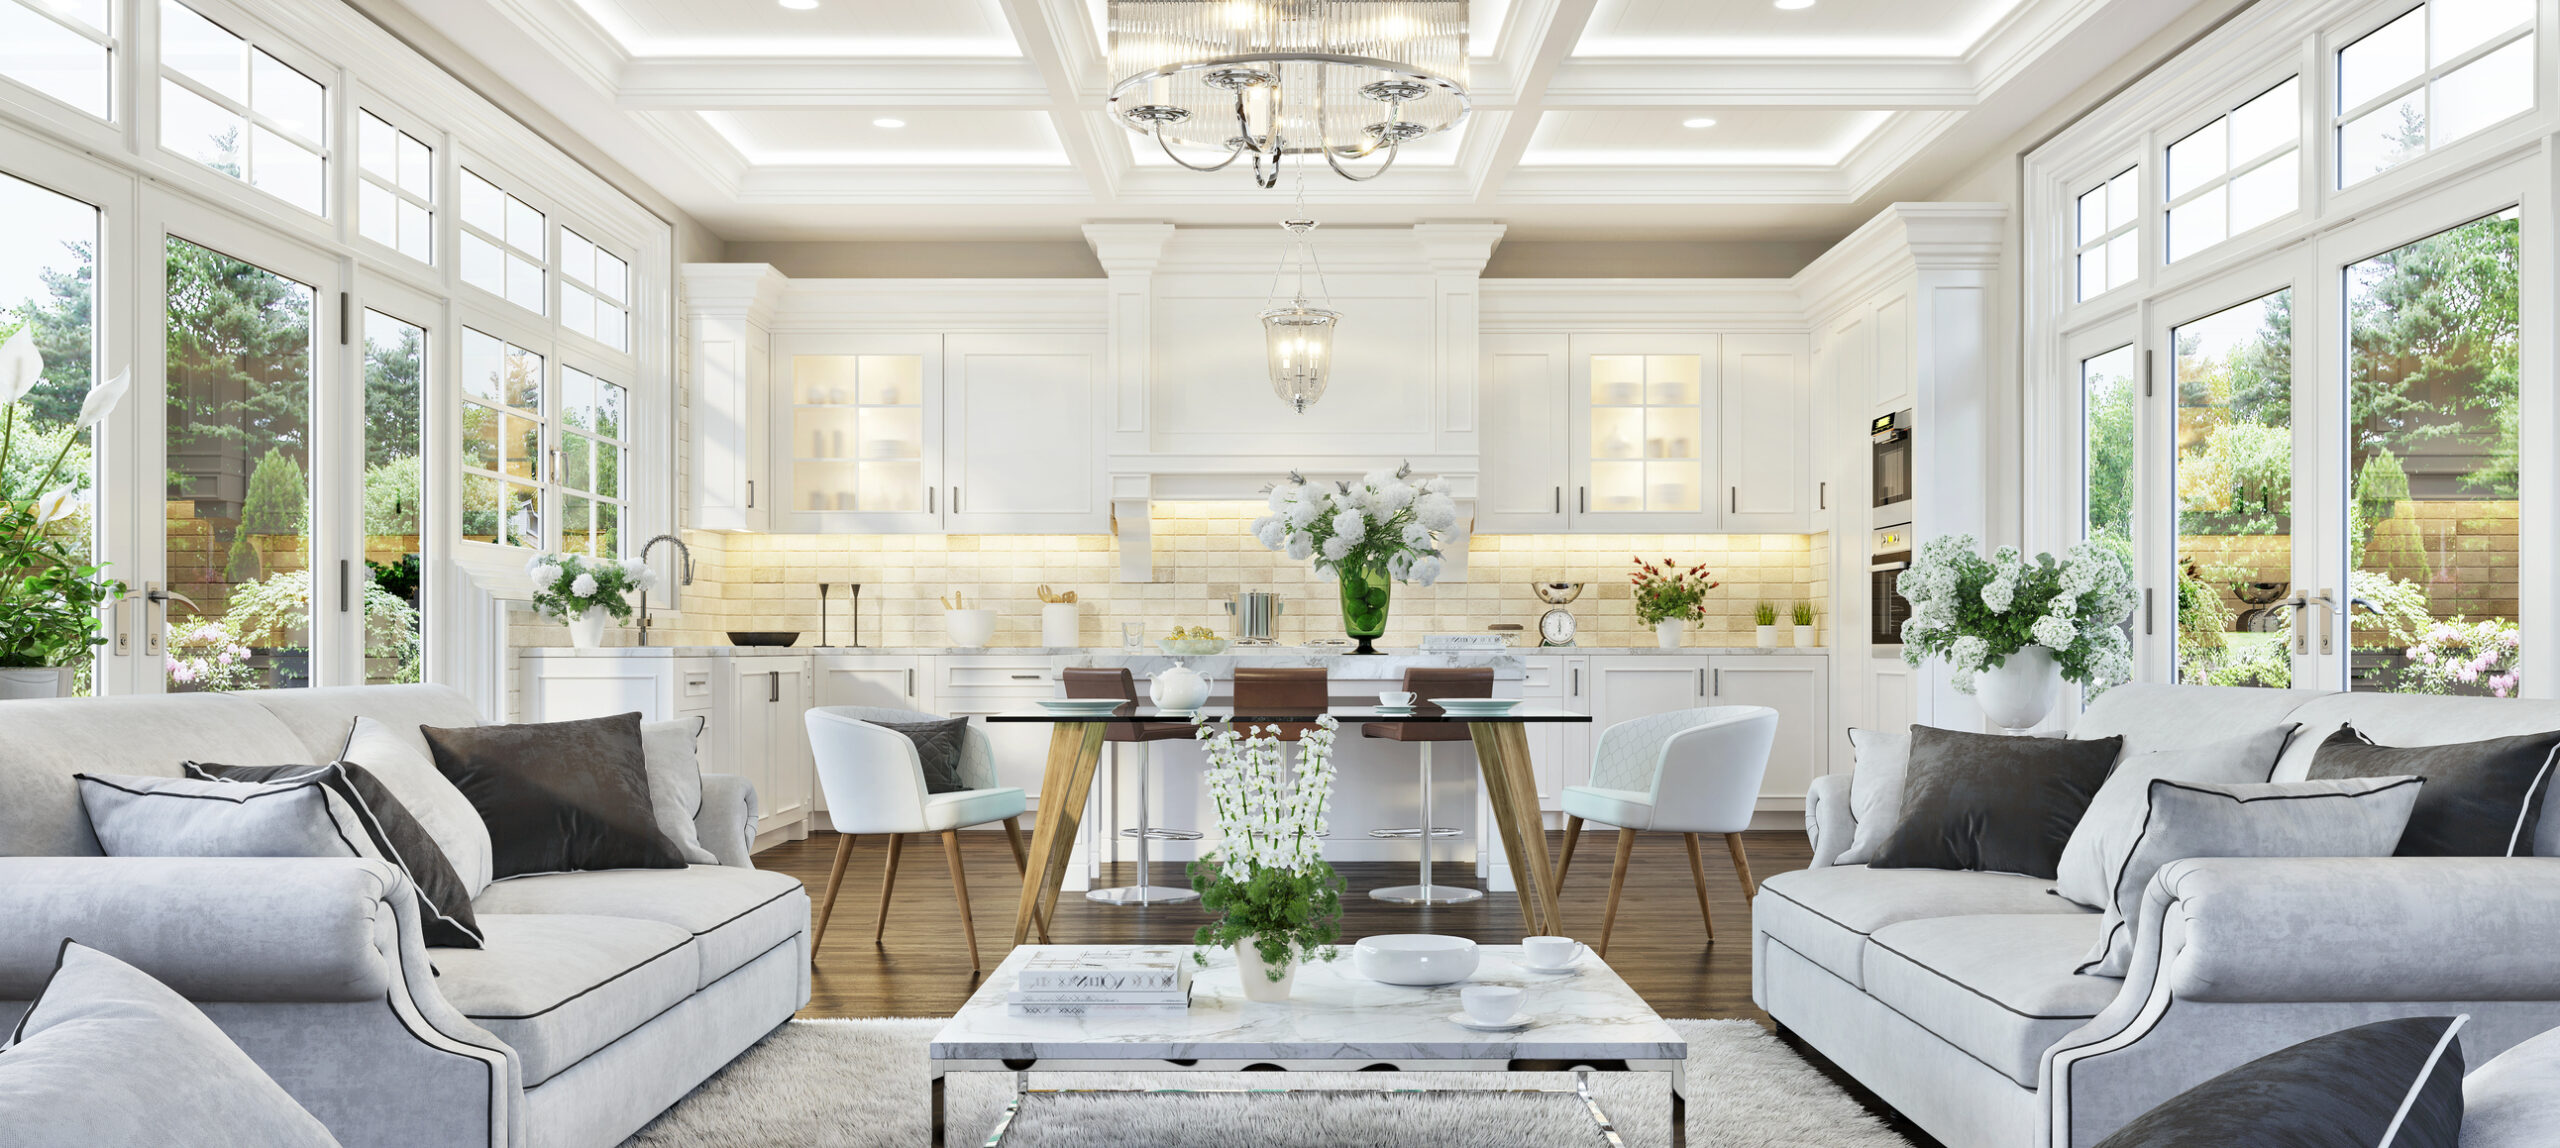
{"x": 1103, "y": 982}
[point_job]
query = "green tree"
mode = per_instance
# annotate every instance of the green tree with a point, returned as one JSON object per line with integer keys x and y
{"x": 239, "y": 347}
{"x": 279, "y": 500}
{"x": 2436, "y": 349}
{"x": 392, "y": 398}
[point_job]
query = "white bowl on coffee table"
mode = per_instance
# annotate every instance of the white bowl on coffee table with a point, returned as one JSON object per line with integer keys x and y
{"x": 1418, "y": 959}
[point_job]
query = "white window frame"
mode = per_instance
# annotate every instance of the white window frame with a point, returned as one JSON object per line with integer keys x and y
{"x": 108, "y": 41}
{"x": 2109, "y": 234}
{"x": 2334, "y": 120}
{"x": 436, "y": 204}
{"x": 258, "y": 39}
{"x": 2232, "y": 171}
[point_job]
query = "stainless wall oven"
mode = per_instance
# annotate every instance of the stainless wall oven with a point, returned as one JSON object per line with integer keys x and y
{"x": 1888, "y": 555}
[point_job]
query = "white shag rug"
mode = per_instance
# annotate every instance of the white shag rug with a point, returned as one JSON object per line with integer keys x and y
{"x": 862, "y": 1083}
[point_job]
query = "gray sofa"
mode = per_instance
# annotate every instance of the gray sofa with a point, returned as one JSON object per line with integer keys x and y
{"x": 1952, "y": 997}
{"x": 600, "y": 999}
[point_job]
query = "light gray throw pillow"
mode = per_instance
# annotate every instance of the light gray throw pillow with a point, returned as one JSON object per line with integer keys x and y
{"x": 441, "y": 809}
{"x": 2347, "y": 817}
{"x": 185, "y": 817}
{"x": 2107, "y": 831}
{"x": 2514, "y": 1100}
{"x": 107, "y": 1057}
{"x": 1875, "y": 790}
{"x": 675, "y": 783}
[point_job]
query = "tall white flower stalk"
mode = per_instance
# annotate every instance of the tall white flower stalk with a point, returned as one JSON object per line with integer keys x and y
{"x": 1267, "y": 878}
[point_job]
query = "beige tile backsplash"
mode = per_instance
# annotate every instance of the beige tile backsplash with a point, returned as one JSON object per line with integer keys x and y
{"x": 1203, "y": 554}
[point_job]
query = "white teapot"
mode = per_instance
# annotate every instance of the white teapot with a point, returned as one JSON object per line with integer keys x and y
{"x": 1178, "y": 688}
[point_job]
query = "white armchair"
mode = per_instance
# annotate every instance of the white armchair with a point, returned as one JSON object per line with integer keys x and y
{"x": 1686, "y": 772}
{"x": 874, "y": 782}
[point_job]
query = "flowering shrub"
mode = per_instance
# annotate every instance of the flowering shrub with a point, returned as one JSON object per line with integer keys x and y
{"x": 1670, "y": 592}
{"x": 1388, "y": 520}
{"x": 208, "y": 656}
{"x": 2459, "y": 657}
{"x": 1975, "y": 612}
{"x": 1267, "y": 878}
{"x": 566, "y": 585}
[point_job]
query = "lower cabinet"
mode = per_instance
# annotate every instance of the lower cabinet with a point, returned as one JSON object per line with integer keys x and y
{"x": 877, "y": 681}
{"x": 761, "y": 727}
{"x": 1633, "y": 686}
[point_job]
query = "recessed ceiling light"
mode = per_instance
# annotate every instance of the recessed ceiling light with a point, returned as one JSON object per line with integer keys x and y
{"x": 805, "y": 5}
{"x": 888, "y": 123}
{"x": 1783, "y": 5}
{"x": 1699, "y": 122}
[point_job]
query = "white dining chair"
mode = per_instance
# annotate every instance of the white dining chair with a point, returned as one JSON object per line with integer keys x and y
{"x": 1686, "y": 772}
{"x": 874, "y": 782}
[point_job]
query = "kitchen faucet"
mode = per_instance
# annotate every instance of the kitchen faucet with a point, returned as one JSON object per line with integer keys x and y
{"x": 684, "y": 574}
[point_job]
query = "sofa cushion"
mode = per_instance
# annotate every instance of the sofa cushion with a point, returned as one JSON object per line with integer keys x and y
{"x": 734, "y": 915}
{"x": 1828, "y": 914}
{"x": 1999, "y": 987}
{"x": 557, "y": 988}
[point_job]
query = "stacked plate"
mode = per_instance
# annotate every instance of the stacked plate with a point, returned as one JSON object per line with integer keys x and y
{"x": 1476, "y": 707}
{"x": 1081, "y": 707}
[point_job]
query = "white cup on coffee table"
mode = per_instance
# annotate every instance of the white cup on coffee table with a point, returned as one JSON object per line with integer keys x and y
{"x": 1551, "y": 952}
{"x": 1396, "y": 699}
{"x": 1490, "y": 1004}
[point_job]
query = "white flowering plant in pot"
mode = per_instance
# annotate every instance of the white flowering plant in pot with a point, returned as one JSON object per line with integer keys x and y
{"x": 1277, "y": 902}
{"x": 1383, "y": 529}
{"x": 1978, "y": 613}
{"x": 584, "y": 591}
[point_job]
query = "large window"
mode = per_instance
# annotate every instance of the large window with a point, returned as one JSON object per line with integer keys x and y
{"x": 593, "y": 285}
{"x": 396, "y": 188}
{"x": 2107, "y": 244}
{"x": 48, "y": 261}
{"x": 2242, "y": 170}
{"x": 2233, "y": 477}
{"x": 503, "y": 247}
{"x": 2107, "y": 403}
{"x": 502, "y": 455}
{"x": 592, "y": 441}
{"x": 395, "y": 495}
{"x": 60, "y": 48}
{"x": 236, "y": 108}
{"x": 2444, "y": 70}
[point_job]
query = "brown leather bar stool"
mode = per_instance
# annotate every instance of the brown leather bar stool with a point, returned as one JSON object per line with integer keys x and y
{"x": 1117, "y": 683}
{"x": 1282, "y": 691}
{"x": 1426, "y": 683}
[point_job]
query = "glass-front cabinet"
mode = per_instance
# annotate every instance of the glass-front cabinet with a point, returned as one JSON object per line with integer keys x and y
{"x": 858, "y": 433}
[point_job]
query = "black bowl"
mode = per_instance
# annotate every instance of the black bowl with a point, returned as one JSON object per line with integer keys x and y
{"x": 763, "y": 637}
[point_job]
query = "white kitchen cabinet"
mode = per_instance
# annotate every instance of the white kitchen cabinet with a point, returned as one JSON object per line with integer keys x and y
{"x": 857, "y": 432}
{"x": 1765, "y": 425}
{"x": 1521, "y": 389}
{"x": 1643, "y": 439}
{"x": 975, "y": 685}
{"x": 1559, "y": 754}
{"x": 727, "y": 309}
{"x": 761, "y": 725}
{"x": 1796, "y": 686}
{"x": 1024, "y": 451}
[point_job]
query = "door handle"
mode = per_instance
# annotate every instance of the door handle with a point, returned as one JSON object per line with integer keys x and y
{"x": 2301, "y": 605}
{"x": 342, "y": 585}
{"x": 156, "y": 594}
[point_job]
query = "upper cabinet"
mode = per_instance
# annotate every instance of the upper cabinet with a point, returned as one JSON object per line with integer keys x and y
{"x": 1024, "y": 453}
{"x": 1646, "y": 433}
{"x": 728, "y": 314}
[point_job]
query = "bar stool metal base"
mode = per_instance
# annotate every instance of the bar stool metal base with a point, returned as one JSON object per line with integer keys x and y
{"x": 1142, "y": 895}
{"x": 1426, "y": 895}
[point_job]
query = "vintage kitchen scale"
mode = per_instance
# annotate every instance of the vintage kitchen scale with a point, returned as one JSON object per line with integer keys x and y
{"x": 1556, "y": 626}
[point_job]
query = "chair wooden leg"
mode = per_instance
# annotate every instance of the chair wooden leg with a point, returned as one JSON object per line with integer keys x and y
{"x": 1617, "y": 885}
{"x": 1698, "y": 875}
{"x": 835, "y": 881}
{"x": 888, "y": 881}
{"x": 1022, "y": 865}
{"x": 1742, "y": 866}
{"x": 960, "y": 889}
{"x": 1572, "y": 837}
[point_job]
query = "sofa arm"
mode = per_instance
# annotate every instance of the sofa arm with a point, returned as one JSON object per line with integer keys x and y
{"x": 727, "y": 822}
{"x": 1828, "y": 820}
{"x": 2364, "y": 929}
{"x": 233, "y": 929}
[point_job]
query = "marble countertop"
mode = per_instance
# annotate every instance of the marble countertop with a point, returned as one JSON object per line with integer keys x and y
{"x": 1114, "y": 656}
{"x": 1333, "y": 1013}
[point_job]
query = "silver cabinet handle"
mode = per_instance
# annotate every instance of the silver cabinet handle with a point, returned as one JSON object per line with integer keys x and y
{"x": 1577, "y": 677}
{"x": 751, "y": 494}
{"x": 1733, "y": 501}
{"x": 911, "y": 681}
{"x": 1559, "y": 500}
{"x": 773, "y": 685}
{"x": 1026, "y": 677}
{"x": 1717, "y": 688}
{"x": 955, "y": 500}
{"x": 1582, "y": 500}
{"x": 1823, "y": 499}
{"x": 1702, "y": 681}
{"x": 931, "y": 493}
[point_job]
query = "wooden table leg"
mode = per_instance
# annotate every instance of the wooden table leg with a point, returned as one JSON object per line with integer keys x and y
{"x": 1514, "y": 740}
{"x": 1498, "y": 779}
{"x": 1074, "y": 749}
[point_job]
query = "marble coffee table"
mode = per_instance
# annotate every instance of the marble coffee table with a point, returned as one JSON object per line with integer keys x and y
{"x": 1335, "y": 1021}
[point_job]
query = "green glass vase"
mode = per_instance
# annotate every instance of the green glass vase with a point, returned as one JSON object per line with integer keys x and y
{"x": 1365, "y": 591}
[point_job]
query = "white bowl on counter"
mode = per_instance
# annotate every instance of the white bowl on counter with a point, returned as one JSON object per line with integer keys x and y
{"x": 970, "y": 629}
{"x": 1420, "y": 959}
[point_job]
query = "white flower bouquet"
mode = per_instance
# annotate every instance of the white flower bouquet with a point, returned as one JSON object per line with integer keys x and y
{"x": 1975, "y": 612}
{"x": 1368, "y": 535}
{"x": 566, "y": 586}
{"x": 1267, "y": 879}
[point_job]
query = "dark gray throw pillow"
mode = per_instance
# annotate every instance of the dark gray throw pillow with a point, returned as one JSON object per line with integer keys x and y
{"x": 1993, "y": 803}
{"x": 558, "y": 796}
{"x": 2389, "y": 1084}
{"x": 444, "y": 907}
{"x": 2483, "y": 798}
{"x": 938, "y": 747}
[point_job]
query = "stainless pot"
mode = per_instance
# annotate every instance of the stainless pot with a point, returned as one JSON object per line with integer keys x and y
{"x": 1254, "y": 611}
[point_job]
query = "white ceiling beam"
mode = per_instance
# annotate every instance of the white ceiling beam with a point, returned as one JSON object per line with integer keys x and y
{"x": 1043, "y": 31}
{"x": 730, "y": 82}
{"x": 1559, "y": 25}
{"x": 1611, "y": 82}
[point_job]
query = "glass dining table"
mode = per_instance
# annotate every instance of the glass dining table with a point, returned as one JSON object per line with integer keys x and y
{"x": 1502, "y": 754}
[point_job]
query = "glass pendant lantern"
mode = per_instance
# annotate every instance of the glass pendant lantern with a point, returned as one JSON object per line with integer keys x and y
{"x": 1298, "y": 337}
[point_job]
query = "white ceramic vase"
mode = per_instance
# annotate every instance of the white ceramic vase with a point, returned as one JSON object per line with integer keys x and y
{"x": 35, "y": 682}
{"x": 1666, "y": 633}
{"x": 2018, "y": 693}
{"x": 586, "y": 631}
{"x": 1256, "y": 976}
{"x": 1807, "y": 637}
{"x": 1767, "y": 637}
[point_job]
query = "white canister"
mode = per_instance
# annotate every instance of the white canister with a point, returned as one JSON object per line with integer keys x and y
{"x": 1058, "y": 625}
{"x": 970, "y": 629}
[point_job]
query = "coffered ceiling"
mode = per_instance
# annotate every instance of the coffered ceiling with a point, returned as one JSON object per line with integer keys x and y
{"x": 1598, "y": 119}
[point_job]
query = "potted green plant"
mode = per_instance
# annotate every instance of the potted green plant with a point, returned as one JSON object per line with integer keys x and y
{"x": 1367, "y": 535}
{"x": 1808, "y": 635}
{"x": 2012, "y": 630}
{"x": 1278, "y": 903}
{"x": 50, "y": 593}
{"x": 586, "y": 592}
{"x": 1765, "y": 617}
{"x": 1669, "y": 599}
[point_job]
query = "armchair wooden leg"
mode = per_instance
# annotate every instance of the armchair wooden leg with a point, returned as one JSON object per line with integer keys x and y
{"x": 1698, "y": 875}
{"x": 1022, "y": 865}
{"x": 1742, "y": 866}
{"x": 888, "y": 881}
{"x": 835, "y": 881}
{"x": 1572, "y": 837}
{"x": 960, "y": 889}
{"x": 1617, "y": 885}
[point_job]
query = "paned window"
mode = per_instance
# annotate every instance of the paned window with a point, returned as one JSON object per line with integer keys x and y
{"x": 2242, "y": 170}
{"x": 396, "y": 194}
{"x": 502, "y": 458}
{"x": 2444, "y": 70}
{"x": 233, "y": 107}
{"x": 593, "y": 437}
{"x": 60, "y": 48}
{"x": 594, "y": 287}
{"x": 2107, "y": 396}
{"x": 502, "y": 244}
{"x": 2105, "y": 234}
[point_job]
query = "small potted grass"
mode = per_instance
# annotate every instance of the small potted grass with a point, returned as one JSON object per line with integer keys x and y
{"x": 1808, "y": 635}
{"x": 1766, "y": 614}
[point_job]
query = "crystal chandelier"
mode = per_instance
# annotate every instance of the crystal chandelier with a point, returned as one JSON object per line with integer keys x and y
{"x": 1299, "y": 338}
{"x": 1344, "y": 79}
